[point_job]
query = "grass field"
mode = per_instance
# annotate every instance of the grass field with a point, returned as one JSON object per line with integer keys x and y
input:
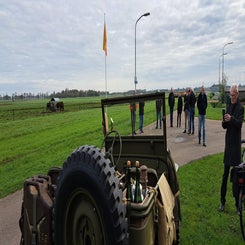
{"x": 19, "y": 110}
{"x": 31, "y": 145}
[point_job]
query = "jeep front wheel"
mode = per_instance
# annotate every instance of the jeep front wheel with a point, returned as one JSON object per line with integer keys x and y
{"x": 88, "y": 207}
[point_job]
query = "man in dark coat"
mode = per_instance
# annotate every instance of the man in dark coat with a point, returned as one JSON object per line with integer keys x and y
{"x": 171, "y": 101}
{"x": 202, "y": 106}
{"x": 141, "y": 116}
{"x": 232, "y": 122}
{"x": 159, "y": 113}
{"x": 192, "y": 102}
{"x": 179, "y": 110}
{"x": 186, "y": 109}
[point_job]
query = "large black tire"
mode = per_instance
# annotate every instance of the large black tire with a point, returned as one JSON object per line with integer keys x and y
{"x": 88, "y": 207}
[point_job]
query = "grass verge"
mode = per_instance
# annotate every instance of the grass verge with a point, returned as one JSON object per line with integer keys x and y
{"x": 200, "y": 196}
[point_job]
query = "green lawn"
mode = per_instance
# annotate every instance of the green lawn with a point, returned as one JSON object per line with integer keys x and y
{"x": 200, "y": 196}
{"x": 32, "y": 145}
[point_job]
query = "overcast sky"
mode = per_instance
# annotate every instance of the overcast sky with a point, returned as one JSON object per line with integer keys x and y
{"x": 51, "y": 45}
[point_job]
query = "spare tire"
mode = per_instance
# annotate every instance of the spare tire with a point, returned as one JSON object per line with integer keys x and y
{"x": 88, "y": 207}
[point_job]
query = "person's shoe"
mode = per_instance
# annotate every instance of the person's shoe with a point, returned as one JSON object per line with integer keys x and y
{"x": 199, "y": 142}
{"x": 156, "y": 127}
{"x": 184, "y": 131}
{"x": 204, "y": 144}
{"x": 221, "y": 207}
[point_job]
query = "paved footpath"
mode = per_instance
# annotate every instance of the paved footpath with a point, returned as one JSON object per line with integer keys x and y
{"x": 184, "y": 149}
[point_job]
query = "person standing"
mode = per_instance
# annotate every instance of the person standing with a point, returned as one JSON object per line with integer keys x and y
{"x": 186, "y": 109}
{"x": 202, "y": 106}
{"x": 179, "y": 110}
{"x": 232, "y": 122}
{"x": 133, "y": 117}
{"x": 133, "y": 107}
{"x": 192, "y": 102}
{"x": 159, "y": 112}
{"x": 171, "y": 101}
{"x": 141, "y": 116}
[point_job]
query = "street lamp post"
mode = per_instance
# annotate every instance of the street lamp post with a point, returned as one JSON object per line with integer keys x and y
{"x": 220, "y": 85}
{"x": 219, "y": 65}
{"x": 135, "y": 77}
{"x": 223, "y": 79}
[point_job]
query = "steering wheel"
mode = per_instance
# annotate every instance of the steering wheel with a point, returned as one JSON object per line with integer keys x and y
{"x": 110, "y": 150}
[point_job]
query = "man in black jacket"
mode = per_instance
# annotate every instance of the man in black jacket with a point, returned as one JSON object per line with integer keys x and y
{"x": 232, "y": 122}
{"x": 202, "y": 106}
{"x": 192, "y": 102}
{"x": 186, "y": 109}
{"x": 171, "y": 101}
{"x": 141, "y": 116}
{"x": 159, "y": 113}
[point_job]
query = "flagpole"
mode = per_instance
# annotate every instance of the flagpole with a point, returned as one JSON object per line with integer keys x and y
{"x": 105, "y": 49}
{"x": 105, "y": 77}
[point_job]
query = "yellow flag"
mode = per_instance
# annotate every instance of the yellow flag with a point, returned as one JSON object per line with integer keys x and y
{"x": 105, "y": 40}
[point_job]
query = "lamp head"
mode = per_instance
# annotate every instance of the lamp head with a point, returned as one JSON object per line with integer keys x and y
{"x": 146, "y": 14}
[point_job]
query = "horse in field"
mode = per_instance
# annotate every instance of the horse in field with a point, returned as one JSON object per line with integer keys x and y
{"x": 60, "y": 106}
{"x": 52, "y": 106}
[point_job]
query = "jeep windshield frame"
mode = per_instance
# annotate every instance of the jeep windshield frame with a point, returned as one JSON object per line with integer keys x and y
{"x": 134, "y": 99}
{"x": 143, "y": 146}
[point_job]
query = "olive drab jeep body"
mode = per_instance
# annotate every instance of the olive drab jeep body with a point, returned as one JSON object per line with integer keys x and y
{"x": 125, "y": 192}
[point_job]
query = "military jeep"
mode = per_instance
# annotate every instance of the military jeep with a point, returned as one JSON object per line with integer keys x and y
{"x": 85, "y": 202}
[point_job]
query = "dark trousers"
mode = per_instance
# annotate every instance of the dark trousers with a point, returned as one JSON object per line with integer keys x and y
{"x": 224, "y": 185}
{"x": 191, "y": 124}
{"x": 171, "y": 115}
{"x": 179, "y": 119}
{"x": 133, "y": 120}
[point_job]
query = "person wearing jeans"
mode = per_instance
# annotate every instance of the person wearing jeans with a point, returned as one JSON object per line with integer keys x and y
{"x": 202, "y": 106}
{"x": 202, "y": 127}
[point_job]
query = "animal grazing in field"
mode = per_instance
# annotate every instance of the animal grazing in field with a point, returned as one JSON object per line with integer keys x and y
{"x": 54, "y": 105}
{"x": 60, "y": 106}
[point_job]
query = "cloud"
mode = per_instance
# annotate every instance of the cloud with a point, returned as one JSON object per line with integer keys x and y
{"x": 53, "y": 45}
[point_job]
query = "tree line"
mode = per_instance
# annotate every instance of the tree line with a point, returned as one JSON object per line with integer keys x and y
{"x": 67, "y": 93}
